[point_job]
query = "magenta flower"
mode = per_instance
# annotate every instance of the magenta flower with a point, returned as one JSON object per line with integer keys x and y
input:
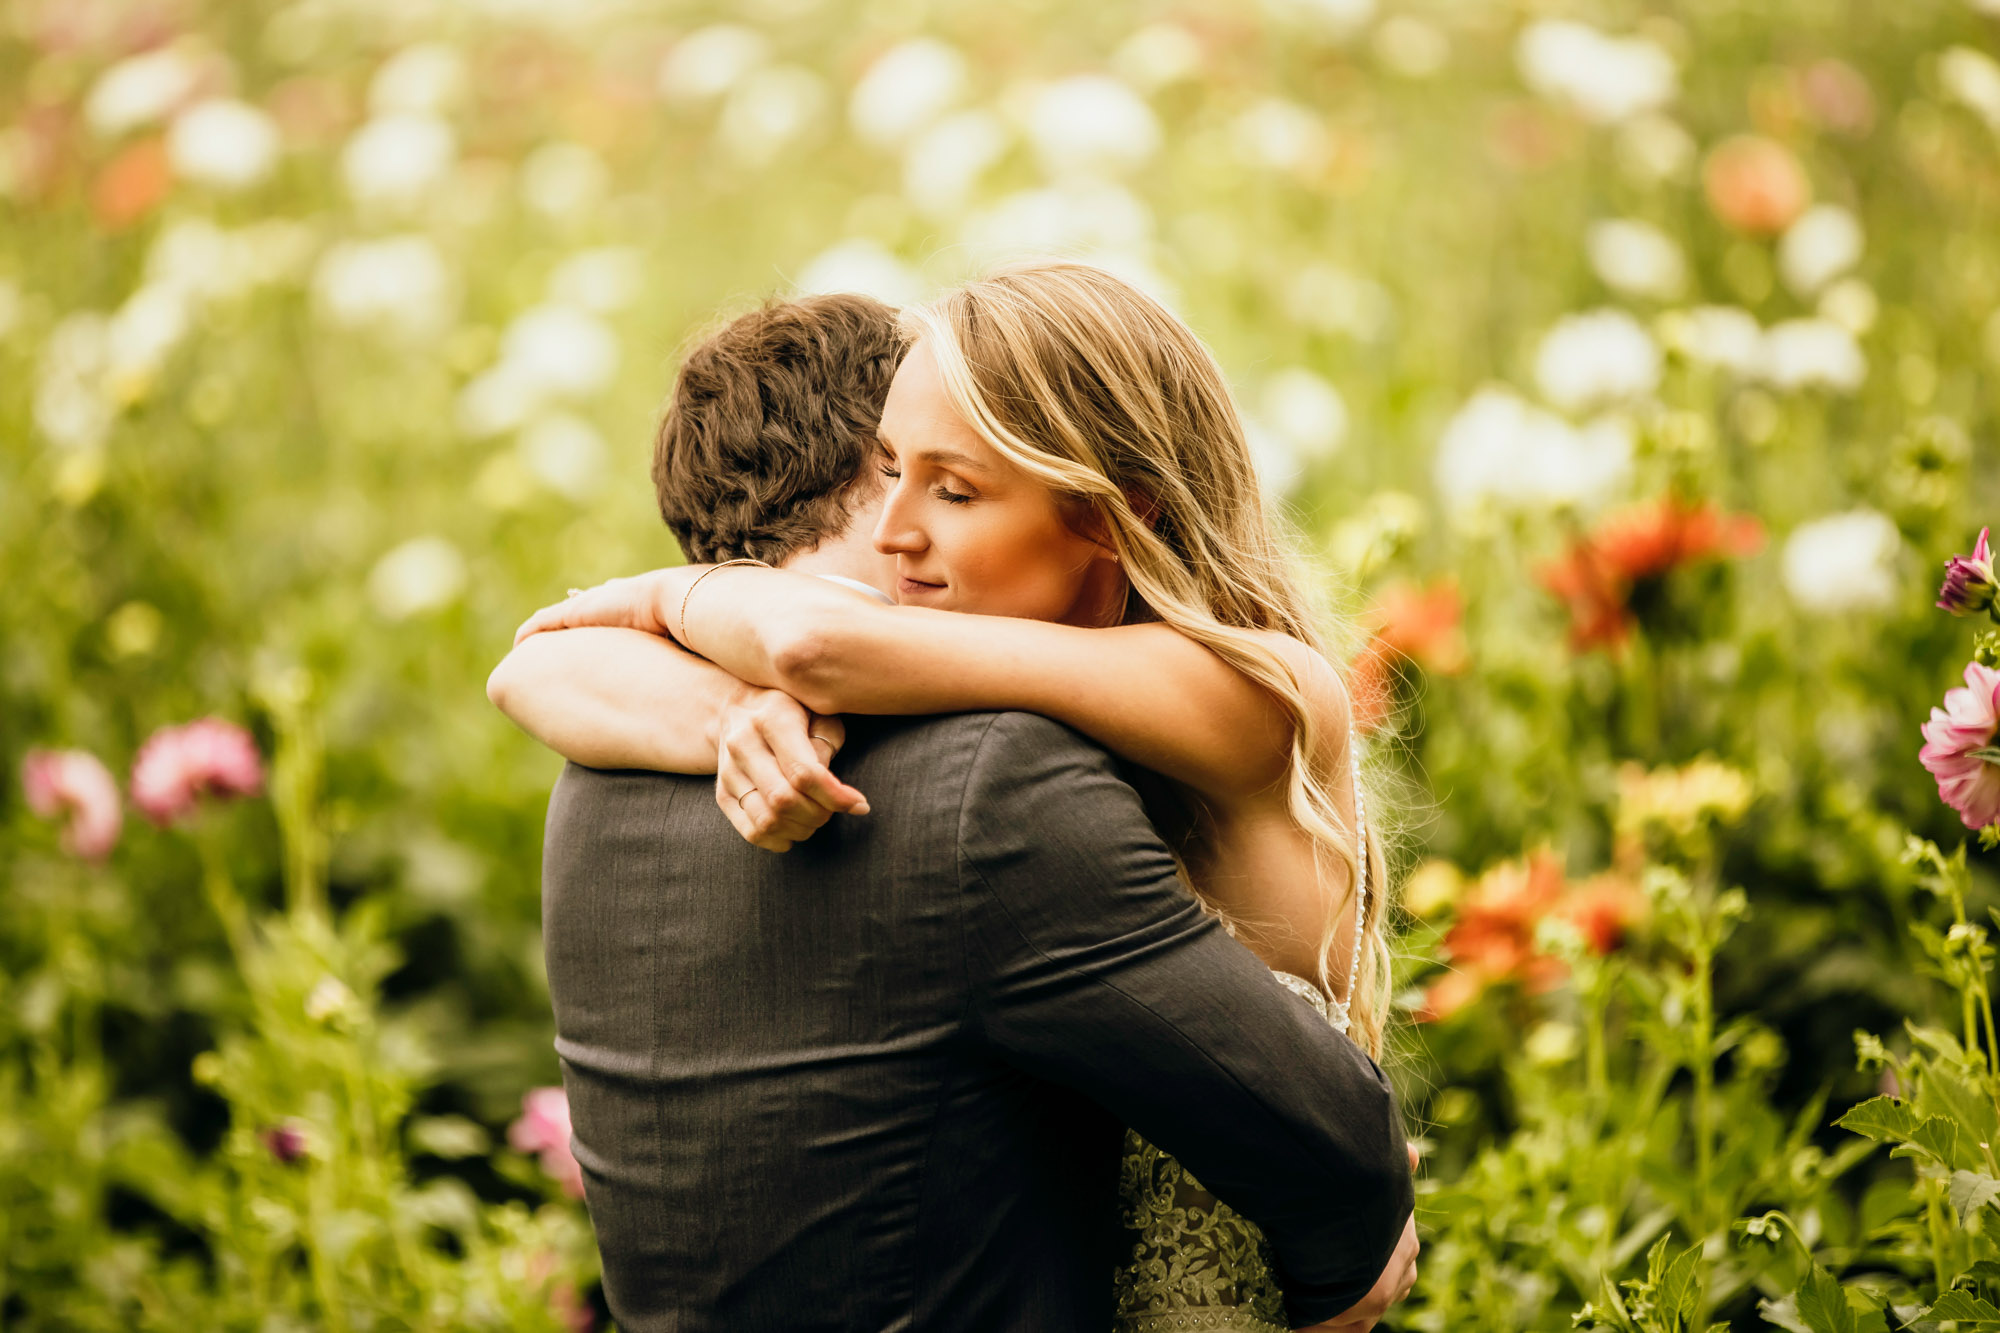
{"x": 1969, "y": 584}
{"x": 1959, "y": 748}
{"x": 76, "y": 782}
{"x": 544, "y": 1128}
{"x": 180, "y": 765}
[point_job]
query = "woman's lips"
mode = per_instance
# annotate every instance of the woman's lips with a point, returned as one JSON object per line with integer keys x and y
{"x": 909, "y": 587}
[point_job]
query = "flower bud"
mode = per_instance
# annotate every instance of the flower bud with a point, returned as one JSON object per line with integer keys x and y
{"x": 1969, "y": 584}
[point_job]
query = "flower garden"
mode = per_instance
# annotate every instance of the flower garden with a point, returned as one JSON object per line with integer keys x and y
{"x": 1627, "y": 369}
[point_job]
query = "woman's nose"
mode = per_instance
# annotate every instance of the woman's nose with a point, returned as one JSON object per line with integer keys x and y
{"x": 895, "y": 531}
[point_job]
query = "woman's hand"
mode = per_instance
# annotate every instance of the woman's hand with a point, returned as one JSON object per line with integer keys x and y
{"x": 771, "y": 774}
{"x": 642, "y": 602}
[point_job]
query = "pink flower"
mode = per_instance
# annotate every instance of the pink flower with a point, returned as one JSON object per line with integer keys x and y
{"x": 544, "y": 1128}
{"x": 1959, "y": 750}
{"x": 286, "y": 1141}
{"x": 75, "y": 781}
{"x": 1969, "y": 583}
{"x": 180, "y": 765}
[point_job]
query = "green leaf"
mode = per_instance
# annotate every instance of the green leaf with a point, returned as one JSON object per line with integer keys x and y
{"x": 1880, "y": 1118}
{"x": 1939, "y": 1137}
{"x": 1822, "y": 1304}
{"x": 1964, "y": 1305}
{"x": 1679, "y": 1292}
{"x": 1971, "y": 1109}
{"x": 1971, "y": 1191}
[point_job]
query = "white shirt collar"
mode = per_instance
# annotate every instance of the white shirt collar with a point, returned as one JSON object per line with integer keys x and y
{"x": 859, "y": 586}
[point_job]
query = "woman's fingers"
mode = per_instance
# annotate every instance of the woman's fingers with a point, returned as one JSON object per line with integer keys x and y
{"x": 796, "y": 741}
{"x": 750, "y": 816}
{"x": 750, "y": 771}
{"x": 627, "y": 603}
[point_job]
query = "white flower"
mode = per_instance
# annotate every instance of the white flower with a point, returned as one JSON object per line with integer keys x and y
{"x": 1803, "y": 352}
{"x": 1078, "y": 216}
{"x": 1332, "y": 300}
{"x": 423, "y": 574}
{"x": 1157, "y": 55}
{"x": 1972, "y": 78}
{"x": 1606, "y": 79}
{"x": 140, "y": 90}
{"x": 1092, "y": 123}
{"x": 907, "y": 87}
{"x": 1654, "y": 148}
{"x": 1717, "y": 335}
{"x": 601, "y": 280}
{"x": 561, "y": 349}
{"x": 499, "y": 400}
{"x": 1823, "y": 244}
{"x": 1278, "y": 466}
{"x": 222, "y": 143}
{"x": 1281, "y": 135}
{"x": 768, "y": 109}
{"x": 944, "y": 164}
{"x": 399, "y": 283}
{"x": 566, "y": 453}
{"x": 708, "y": 63}
{"x": 71, "y": 408}
{"x": 1411, "y": 47}
{"x": 1500, "y": 447}
{"x": 1603, "y": 356}
{"x": 424, "y": 79}
{"x": 394, "y": 159}
{"x": 1851, "y": 304}
{"x": 140, "y": 336}
{"x": 1304, "y": 411}
{"x": 1334, "y": 17}
{"x": 1844, "y": 562}
{"x": 1636, "y": 258}
{"x": 561, "y": 180}
{"x": 865, "y": 267}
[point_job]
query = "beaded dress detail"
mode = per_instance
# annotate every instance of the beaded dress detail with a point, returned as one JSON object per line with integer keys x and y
{"x": 1193, "y": 1263}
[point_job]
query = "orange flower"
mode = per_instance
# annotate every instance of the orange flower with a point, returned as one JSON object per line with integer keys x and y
{"x": 1493, "y": 939}
{"x": 1595, "y": 576}
{"x": 1421, "y": 624}
{"x": 132, "y": 184}
{"x": 1649, "y": 539}
{"x": 1755, "y": 185}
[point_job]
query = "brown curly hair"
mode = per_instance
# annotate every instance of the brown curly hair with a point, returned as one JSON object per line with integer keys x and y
{"x": 771, "y": 423}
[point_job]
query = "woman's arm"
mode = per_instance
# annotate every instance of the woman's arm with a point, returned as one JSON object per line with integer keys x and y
{"x": 1146, "y": 692}
{"x": 615, "y": 698}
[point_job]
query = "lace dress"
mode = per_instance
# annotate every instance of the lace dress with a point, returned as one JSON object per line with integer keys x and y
{"x": 1193, "y": 1262}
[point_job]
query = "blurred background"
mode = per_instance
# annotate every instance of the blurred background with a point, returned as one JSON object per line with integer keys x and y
{"x": 1626, "y": 368}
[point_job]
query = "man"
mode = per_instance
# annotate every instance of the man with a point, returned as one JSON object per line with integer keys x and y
{"x": 879, "y": 1083}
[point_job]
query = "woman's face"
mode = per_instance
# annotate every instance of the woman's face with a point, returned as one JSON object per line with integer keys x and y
{"x": 969, "y": 529}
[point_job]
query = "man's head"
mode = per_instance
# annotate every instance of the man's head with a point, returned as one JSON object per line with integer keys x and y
{"x": 769, "y": 440}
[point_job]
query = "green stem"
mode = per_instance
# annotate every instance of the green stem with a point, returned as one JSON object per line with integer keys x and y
{"x": 1704, "y": 1076}
{"x": 1934, "y": 1215}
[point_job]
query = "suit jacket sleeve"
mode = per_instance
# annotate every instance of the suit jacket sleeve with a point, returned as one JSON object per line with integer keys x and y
{"x": 1095, "y": 969}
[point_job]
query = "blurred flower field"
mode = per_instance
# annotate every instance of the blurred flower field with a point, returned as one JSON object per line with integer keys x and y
{"x": 1628, "y": 368}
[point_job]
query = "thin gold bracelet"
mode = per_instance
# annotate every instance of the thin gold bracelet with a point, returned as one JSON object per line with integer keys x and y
{"x": 697, "y": 583}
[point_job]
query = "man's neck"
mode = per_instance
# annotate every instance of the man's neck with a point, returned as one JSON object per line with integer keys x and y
{"x": 841, "y": 559}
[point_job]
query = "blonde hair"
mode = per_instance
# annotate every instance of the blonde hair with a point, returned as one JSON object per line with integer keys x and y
{"x": 1103, "y": 394}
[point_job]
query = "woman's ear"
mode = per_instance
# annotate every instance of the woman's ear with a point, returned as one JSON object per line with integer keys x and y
{"x": 1143, "y": 504}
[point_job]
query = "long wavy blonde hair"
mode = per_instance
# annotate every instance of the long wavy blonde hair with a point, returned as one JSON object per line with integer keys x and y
{"x": 1103, "y": 394}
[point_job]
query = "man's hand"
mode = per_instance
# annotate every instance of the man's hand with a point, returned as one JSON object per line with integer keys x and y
{"x": 1391, "y": 1287}
{"x": 642, "y": 602}
{"x": 771, "y": 774}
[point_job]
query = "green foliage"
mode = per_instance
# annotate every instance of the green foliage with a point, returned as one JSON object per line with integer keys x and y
{"x": 244, "y": 472}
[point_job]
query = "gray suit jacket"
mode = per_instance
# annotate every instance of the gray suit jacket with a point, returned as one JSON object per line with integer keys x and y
{"x": 878, "y": 1083}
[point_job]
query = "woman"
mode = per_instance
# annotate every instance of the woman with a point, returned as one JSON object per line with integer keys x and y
{"x": 1064, "y": 459}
